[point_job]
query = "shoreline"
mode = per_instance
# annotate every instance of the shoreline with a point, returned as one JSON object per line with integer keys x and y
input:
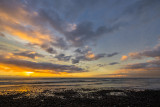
{"x": 82, "y": 97}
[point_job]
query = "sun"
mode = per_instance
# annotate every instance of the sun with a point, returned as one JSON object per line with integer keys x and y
{"x": 29, "y": 73}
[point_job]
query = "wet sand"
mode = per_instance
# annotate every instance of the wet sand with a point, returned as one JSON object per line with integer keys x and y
{"x": 82, "y": 98}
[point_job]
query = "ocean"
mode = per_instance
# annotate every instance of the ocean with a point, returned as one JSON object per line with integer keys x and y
{"x": 40, "y": 84}
{"x": 78, "y": 92}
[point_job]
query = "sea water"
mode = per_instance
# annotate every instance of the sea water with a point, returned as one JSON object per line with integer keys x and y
{"x": 25, "y": 84}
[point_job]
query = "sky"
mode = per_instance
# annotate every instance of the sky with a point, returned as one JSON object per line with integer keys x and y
{"x": 80, "y": 38}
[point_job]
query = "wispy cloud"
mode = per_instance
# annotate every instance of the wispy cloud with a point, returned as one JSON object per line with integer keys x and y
{"x": 53, "y": 68}
{"x": 148, "y": 68}
{"x": 29, "y": 54}
{"x": 112, "y": 54}
{"x": 113, "y": 63}
{"x": 62, "y": 57}
{"x": 153, "y": 53}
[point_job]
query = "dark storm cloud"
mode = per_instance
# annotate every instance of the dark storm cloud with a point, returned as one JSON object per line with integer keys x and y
{"x": 113, "y": 63}
{"x": 62, "y": 57}
{"x": 29, "y": 54}
{"x": 41, "y": 65}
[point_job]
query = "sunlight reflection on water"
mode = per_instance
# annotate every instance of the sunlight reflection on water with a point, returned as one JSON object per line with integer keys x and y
{"x": 38, "y": 85}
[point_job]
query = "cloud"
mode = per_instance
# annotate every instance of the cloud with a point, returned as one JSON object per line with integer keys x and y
{"x": 86, "y": 54}
{"x": 16, "y": 19}
{"x": 62, "y": 57}
{"x": 98, "y": 56}
{"x": 136, "y": 66}
{"x": 29, "y": 25}
{"x": 153, "y": 64}
{"x": 152, "y": 53}
{"x": 75, "y": 61}
{"x": 155, "y": 52}
{"x": 142, "y": 6}
{"x": 88, "y": 57}
{"x": 113, "y": 63}
{"x": 40, "y": 65}
{"x": 71, "y": 9}
{"x": 112, "y": 54}
{"x": 40, "y": 23}
{"x": 2, "y": 35}
{"x": 124, "y": 57}
{"x": 84, "y": 33}
{"x": 143, "y": 10}
{"x": 53, "y": 18}
{"x": 114, "y": 75}
{"x": 83, "y": 50}
{"x": 60, "y": 43}
{"x": 48, "y": 49}
{"x": 145, "y": 69}
{"x": 3, "y": 47}
{"x": 51, "y": 50}
{"x": 29, "y": 54}
{"x": 101, "y": 65}
{"x": 35, "y": 21}
{"x": 148, "y": 68}
{"x": 80, "y": 34}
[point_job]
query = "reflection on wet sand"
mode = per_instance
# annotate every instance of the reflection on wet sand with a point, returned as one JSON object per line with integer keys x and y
{"x": 81, "y": 97}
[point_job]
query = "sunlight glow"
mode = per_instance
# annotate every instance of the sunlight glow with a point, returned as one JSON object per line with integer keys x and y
{"x": 29, "y": 73}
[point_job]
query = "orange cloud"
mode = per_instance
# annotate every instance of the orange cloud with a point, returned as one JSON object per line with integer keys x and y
{"x": 13, "y": 70}
{"x": 90, "y": 55}
{"x": 24, "y": 24}
{"x": 34, "y": 37}
{"x": 124, "y": 57}
{"x": 23, "y": 55}
{"x": 10, "y": 63}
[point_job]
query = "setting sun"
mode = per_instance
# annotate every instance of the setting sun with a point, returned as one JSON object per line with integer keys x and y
{"x": 29, "y": 73}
